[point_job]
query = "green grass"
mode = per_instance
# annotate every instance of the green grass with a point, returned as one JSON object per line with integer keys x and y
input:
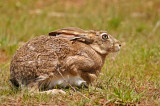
{"x": 132, "y": 78}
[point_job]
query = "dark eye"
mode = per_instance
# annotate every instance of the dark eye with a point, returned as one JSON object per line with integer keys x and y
{"x": 105, "y": 36}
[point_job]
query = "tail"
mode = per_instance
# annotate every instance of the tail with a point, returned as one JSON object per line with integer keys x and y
{"x": 14, "y": 83}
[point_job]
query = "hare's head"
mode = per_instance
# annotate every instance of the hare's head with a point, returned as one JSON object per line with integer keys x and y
{"x": 100, "y": 41}
{"x": 104, "y": 43}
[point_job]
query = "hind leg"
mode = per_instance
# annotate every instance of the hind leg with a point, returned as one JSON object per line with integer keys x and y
{"x": 39, "y": 85}
{"x": 42, "y": 87}
{"x": 34, "y": 88}
{"x": 54, "y": 91}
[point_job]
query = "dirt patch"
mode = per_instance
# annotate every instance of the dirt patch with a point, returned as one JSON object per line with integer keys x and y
{"x": 3, "y": 57}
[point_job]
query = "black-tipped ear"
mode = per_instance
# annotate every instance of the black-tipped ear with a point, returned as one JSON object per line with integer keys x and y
{"x": 52, "y": 34}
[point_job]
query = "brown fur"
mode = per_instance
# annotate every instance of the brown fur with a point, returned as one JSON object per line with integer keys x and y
{"x": 70, "y": 51}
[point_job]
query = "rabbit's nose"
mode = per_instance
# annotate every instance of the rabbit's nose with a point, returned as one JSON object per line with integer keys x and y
{"x": 117, "y": 47}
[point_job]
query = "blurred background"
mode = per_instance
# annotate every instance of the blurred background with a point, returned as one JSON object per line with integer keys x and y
{"x": 132, "y": 78}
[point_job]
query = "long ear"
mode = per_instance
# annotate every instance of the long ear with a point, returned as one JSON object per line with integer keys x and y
{"x": 68, "y": 31}
{"x": 72, "y": 33}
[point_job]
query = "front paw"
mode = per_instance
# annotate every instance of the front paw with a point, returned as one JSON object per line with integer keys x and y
{"x": 83, "y": 84}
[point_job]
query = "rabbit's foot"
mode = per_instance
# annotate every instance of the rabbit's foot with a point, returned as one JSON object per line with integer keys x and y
{"x": 54, "y": 92}
{"x": 83, "y": 85}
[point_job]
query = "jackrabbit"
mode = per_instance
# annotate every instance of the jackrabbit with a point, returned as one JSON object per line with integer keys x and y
{"x": 68, "y": 56}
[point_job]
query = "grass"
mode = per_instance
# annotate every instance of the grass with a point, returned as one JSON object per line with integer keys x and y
{"x": 132, "y": 78}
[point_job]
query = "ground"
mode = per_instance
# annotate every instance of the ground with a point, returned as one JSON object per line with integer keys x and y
{"x": 130, "y": 77}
